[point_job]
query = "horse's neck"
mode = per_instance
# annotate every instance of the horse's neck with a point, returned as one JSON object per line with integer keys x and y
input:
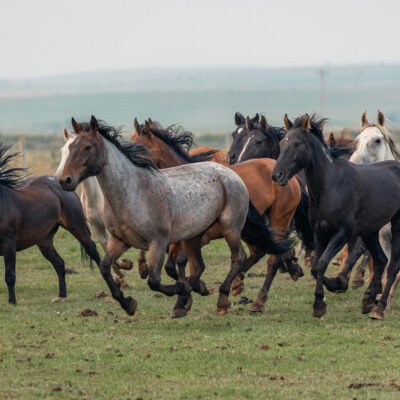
{"x": 319, "y": 172}
{"x": 167, "y": 157}
{"x": 120, "y": 179}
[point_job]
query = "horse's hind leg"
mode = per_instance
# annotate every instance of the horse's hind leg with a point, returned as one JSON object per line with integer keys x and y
{"x": 238, "y": 258}
{"x": 9, "y": 253}
{"x": 255, "y": 255}
{"x": 48, "y": 251}
{"x": 142, "y": 265}
{"x": 380, "y": 260}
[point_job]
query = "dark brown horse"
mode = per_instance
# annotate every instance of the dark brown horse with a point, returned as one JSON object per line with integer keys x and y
{"x": 278, "y": 205}
{"x": 33, "y": 210}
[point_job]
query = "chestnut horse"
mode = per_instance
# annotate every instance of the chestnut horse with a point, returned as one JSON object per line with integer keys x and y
{"x": 32, "y": 212}
{"x": 279, "y": 204}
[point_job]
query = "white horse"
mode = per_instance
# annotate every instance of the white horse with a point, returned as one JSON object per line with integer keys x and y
{"x": 148, "y": 209}
{"x": 93, "y": 206}
{"x": 375, "y": 144}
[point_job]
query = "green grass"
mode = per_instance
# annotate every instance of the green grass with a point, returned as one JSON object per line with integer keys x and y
{"x": 149, "y": 356}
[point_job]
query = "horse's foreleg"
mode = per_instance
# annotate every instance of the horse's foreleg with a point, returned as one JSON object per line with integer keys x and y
{"x": 156, "y": 258}
{"x": 115, "y": 248}
{"x": 142, "y": 265}
{"x": 319, "y": 267}
{"x": 340, "y": 284}
{"x": 170, "y": 268}
{"x": 9, "y": 253}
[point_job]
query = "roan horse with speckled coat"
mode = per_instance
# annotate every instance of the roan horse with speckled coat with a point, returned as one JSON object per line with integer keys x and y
{"x": 148, "y": 209}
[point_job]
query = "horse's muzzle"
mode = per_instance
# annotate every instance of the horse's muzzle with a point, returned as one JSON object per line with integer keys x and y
{"x": 279, "y": 178}
{"x": 68, "y": 183}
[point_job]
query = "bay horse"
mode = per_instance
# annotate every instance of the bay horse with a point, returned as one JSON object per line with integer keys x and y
{"x": 278, "y": 204}
{"x": 93, "y": 205}
{"x": 347, "y": 201}
{"x": 148, "y": 209}
{"x": 33, "y": 210}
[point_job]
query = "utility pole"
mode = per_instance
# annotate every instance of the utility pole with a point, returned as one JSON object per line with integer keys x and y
{"x": 322, "y": 73}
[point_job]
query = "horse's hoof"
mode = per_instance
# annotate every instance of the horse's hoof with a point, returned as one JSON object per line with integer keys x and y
{"x": 318, "y": 312}
{"x": 59, "y": 300}
{"x": 178, "y": 313}
{"x": 336, "y": 285}
{"x": 257, "y": 308}
{"x": 202, "y": 289}
{"x": 130, "y": 305}
{"x": 125, "y": 264}
{"x": 357, "y": 283}
{"x": 378, "y": 312}
{"x": 143, "y": 270}
{"x": 223, "y": 304}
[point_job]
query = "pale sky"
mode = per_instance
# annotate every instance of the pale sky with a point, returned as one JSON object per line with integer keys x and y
{"x": 53, "y": 37}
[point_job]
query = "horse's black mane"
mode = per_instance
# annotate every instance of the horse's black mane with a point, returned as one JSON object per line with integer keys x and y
{"x": 9, "y": 177}
{"x": 278, "y": 132}
{"x": 180, "y": 141}
{"x": 133, "y": 151}
{"x": 316, "y": 128}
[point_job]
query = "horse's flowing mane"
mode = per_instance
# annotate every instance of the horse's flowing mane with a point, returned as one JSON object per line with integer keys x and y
{"x": 133, "y": 151}
{"x": 180, "y": 141}
{"x": 9, "y": 177}
{"x": 316, "y": 128}
{"x": 394, "y": 148}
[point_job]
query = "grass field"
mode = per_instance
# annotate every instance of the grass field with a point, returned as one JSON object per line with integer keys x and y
{"x": 48, "y": 350}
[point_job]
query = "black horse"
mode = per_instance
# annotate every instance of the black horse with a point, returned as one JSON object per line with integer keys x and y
{"x": 239, "y": 134}
{"x": 347, "y": 201}
{"x": 32, "y": 212}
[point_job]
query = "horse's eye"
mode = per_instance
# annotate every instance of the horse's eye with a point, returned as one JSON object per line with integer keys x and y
{"x": 88, "y": 147}
{"x": 378, "y": 141}
{"x": 259, "y": 142}
{"x": 297, "y": 144}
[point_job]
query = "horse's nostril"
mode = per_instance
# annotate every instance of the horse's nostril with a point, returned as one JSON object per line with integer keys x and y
{"x": 68, "y": 180}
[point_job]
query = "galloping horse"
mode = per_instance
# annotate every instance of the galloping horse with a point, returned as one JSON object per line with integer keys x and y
{"x": 33, "y": 210}
{"x": 279, "y": 204}
{"x": 93, "y": 204}
{"x": 375, "y": 144}
{"x": 148, "y": 209}
{"x": 347, "y": 201}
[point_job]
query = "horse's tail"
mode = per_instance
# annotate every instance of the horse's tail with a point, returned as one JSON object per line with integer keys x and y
{"x": 257, "y": 232}
{"x": 302, "y": 224}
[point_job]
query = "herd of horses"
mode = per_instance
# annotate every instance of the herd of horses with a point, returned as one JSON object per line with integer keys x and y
{"x": 155, "y": 194}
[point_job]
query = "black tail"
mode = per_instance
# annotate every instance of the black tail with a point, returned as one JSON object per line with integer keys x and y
{"x": 302, "y": 224}
{"x": 257, "y": 233}
{"x": 85, "y": 256}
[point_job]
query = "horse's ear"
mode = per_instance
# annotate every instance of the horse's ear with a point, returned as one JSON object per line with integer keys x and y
{"x": 264, "y": 123}
{"x": 239, "y": 118}
{"x": 136, "y": 125}
{"x": 256, "y": 118}
{"x": 66, "y": 134}
{"x": 150, "y": 120}
{"x": 381, "y": 119}
{"x": 332, "y": 140}
{"x": 287, "y": 122}
{"x": 93, "y": 123}
{"x": 146, "y": 130}
{"x": 306, "y": 123}
{"x": 249, "y": 124}
{"x": 364, "y": 120}
{"x": 76, "y": 126}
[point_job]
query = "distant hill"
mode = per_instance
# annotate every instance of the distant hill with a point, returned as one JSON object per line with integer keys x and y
{"x": 203, "y": 100}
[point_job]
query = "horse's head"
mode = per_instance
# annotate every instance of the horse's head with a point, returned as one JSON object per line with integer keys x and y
{"x": 374, "y": 142}
{"x": 261, "y": 141}
{"x": 239, "y": 135}
{"x": 86, "y": 155}
{"x": 296, "y": 150}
